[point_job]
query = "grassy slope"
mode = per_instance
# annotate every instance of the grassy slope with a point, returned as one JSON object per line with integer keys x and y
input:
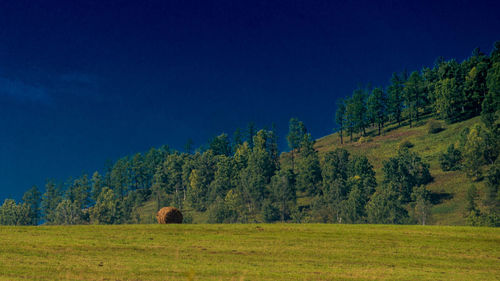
{"x": 449, "y": 188}
{"x": 249, "y": 252}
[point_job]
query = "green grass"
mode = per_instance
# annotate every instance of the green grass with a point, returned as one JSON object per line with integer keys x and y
{"x": 249, "y": 252}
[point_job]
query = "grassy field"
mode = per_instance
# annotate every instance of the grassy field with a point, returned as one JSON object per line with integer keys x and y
{"x": 249, "y": 252}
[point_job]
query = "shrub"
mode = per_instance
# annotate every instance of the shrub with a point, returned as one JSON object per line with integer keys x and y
{"x": 365, "y": 139}
{"x": 434, "y": 127}
{"x": 405, "y": 144}
{"x": 450, "y": 160}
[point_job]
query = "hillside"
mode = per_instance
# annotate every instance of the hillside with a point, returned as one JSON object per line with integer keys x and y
{"x": 448, "y": 188}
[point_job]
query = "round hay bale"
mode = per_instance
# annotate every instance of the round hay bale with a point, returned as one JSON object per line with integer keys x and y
{"x": 169, "y": 215}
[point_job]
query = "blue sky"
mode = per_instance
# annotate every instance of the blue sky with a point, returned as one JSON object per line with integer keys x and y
{"x": 86, "y": 81}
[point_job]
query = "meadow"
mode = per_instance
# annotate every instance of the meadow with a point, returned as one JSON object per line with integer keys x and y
{"x": 249, "y": 252}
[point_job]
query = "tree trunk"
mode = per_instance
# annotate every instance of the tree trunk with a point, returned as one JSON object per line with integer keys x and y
{"x": 341, "y": 140}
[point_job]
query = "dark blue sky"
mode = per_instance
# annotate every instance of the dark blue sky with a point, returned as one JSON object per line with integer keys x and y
{"x": 86, "y": 81}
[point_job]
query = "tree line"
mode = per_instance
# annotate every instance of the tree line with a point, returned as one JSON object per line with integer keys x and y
{"x": 449, "y": 90}
{"x": 244, "y": 178}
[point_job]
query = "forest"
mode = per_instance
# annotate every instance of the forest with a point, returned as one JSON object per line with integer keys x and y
{"x": 244, "y": 178}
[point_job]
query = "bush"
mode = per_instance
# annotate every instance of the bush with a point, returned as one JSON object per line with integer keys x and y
{"x": 405, "y": 144}
{"x": 365, "y": 139}
{"x": 450, "y": 160}
{"x": 434, "y": 127}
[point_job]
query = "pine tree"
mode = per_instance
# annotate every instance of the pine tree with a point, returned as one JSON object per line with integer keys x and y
{"x": 296, "y": 132}
{"x": 284, "y": 192}
{"x": 32, "y": 198}
{"x": 413, "y": 92}
{"x": 376, "y": 108}
{"x": 340, "y": 115}
{"x": 50, "y": 200}
{"x": 308, "y": 168}
{"x": 395, "y": 99}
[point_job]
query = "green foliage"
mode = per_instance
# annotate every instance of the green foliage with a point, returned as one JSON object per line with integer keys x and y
{"x": 283, "y": 193}
{"x": 404, "y": 172}
{"x": 473, "y": 153}
{"x": 406, "y": 144}
{"x": 221, "y": 212}
{"x": 413, "y": 95}
{"x": 15, "y": 214}
{"x": 421, "y": 204}
{"x": 68, "y": 212}
{"x": 32, "y": 198}
{"x": 340, "y": 116}
{"x": 50, "y": 200}
{"x": 377, "y": 107}
{"x": 395, "y": 98}
{"x": 220, "y": 145}
{"x": 106, "y": 209}
{"x": 296, "y": 132}
{"x": 434, "y": 127}
{"x": 308, "y": 168}
{"x": 270, "y": 213}
{"x": 386, "y": 206}
{"x": 451, "y": 159}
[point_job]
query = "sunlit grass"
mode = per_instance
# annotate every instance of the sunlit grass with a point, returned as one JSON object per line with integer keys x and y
{"x": 249, "y": 252}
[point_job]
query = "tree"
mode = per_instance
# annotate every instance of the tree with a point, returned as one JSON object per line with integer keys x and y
{"x": 32, "y": 198}
{"x": 376, "y": 108}
{"x": 360, "y": 168}
{"x": 200, "y": 179}
{"x": 79, "y": 192}
{"x": 138, "y": 171}
{"x": 237, "y": 139}
{"x": 356, "y": 112}
{"x": 250, "y": 133}
{"x": 273, "y": 146}
{"x": 421, "y": 204}
{"x": 220, "y": 145}
{"x": 451, "y": 159}
{"x": 404, "y": 172}
{"x": 14, "y": 214}
{"x": 473, "y": 153}
{"x": 385, "y": 206}
{"x": 308, "y": 169}
{"x": 334, "y": 172}
{"x": 188, "y": 146}
{"x": 50, "y": 200}
{"x": 413, "y": 92}
{"x": 68, "y": 213}
{"x": 105, "y": 211}
{"x": 296, "y": 132}
{"x": 283, "y": 192}
{"x": 97, "y": 186}
{"x": 223, "y": 178}
{"x": 491, "y": 103}
{"x": 120, "y": 180}
{"x": 395, "y": 99}
{"x": 353, "y": 208}
{"x": 340, "y": 118}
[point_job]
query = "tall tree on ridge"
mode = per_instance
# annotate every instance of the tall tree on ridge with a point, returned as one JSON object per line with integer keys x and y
{"x": 340, "y": 118}
{"x": 296, "y": 132}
